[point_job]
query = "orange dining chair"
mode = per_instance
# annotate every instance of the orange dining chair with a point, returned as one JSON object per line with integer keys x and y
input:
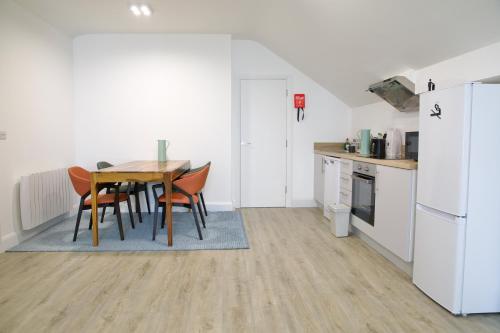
{"x": 200, "y": 194}
{"x": 80, "y": 178}
{"x": 202, "y": 199}
{"x": 185, "y": 193}
{"x": 135, "y": 190}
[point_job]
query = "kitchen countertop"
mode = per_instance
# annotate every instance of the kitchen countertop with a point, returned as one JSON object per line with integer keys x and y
{"x": 335, "y": 150}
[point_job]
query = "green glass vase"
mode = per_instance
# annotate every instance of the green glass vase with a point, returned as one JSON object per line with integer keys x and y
{"x": 162, "y": 150}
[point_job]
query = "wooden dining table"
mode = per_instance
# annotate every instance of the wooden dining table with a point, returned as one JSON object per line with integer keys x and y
{"x": 138, "y": 171}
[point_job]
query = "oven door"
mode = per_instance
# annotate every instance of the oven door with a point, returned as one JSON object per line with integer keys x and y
{"x": 363, "y": 197}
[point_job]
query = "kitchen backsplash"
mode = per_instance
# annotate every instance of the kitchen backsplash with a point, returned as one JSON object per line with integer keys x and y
{"x": 378, "y": 117}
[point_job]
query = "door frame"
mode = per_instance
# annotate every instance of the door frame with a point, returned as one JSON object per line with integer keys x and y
{"x": 236, "y": 136}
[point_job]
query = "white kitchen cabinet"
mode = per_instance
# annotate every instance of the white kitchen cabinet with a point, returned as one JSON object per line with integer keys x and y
{"x": 395, "y": 191}
{"x": 346, "y": 182}
{"x": 319, "y": 179}
{"x": 345, "y": 197}
{"x": 346, "y": 166}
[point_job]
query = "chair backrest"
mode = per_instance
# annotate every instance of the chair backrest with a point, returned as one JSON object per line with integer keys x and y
{"x": 193, "y": 181}
{"x": 80, "y": 178}
{"x": 103, "y": 165}
{"x": 196, "y": 169}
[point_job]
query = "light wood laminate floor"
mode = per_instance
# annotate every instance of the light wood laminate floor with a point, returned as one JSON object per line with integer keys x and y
{"x": 296, "y": 277}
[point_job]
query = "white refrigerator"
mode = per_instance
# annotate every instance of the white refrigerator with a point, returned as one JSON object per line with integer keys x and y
{"x": 457, "y": 228}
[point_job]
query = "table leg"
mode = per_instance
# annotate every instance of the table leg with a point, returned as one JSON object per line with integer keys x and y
{"x": 95, "y": 220}
{"x": 167, "y": 181}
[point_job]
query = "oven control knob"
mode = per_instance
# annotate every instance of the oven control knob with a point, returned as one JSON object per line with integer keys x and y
{"x": 359, "y": 167}
{"x": 367, "y": 169}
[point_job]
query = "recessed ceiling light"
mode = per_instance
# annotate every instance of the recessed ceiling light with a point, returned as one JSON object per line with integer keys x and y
{"x": 146, "y": 11}
{"x": 135, "y": 10}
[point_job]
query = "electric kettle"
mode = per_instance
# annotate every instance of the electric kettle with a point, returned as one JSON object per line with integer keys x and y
{"x": 393, "y": 143}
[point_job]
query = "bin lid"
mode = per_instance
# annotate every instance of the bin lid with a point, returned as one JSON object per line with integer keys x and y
{"x": 340, "y": 208}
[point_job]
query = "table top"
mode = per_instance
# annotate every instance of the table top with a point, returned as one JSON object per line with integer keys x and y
{"x": 147, "y": 166}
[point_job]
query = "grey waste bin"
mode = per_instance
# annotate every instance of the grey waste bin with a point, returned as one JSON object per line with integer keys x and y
{"x": 339, "y": 219}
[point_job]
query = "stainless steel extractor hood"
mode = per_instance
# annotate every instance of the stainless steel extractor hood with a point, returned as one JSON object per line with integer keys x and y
{"x": 397, "y": 91}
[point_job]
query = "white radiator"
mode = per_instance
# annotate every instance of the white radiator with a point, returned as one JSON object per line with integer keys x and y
{"x": 44, "y": 196}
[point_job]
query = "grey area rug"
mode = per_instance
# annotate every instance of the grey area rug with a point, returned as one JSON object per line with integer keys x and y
{"x": 225, "y": 230}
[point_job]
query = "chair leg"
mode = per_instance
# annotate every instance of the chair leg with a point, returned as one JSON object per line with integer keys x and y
{"x": 103, "y": 212}
{"x": 130, "y": 212}
{"x": 119, "y": 218}
{"x": 137, "y": 204}
{"x": 203, "y": 203}
{"x": 78, "y": 218}
{"x": 146, "y": 193}
{"x": 193, "y": 208}
{"x": 201, "y": 214}
{"x": 155, "y": 221}
{"x": 164, "y": 208}
{"x": 90, "y": 222}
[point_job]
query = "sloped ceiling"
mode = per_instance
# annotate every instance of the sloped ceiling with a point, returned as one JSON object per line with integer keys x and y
{"x": 344, "y": 45}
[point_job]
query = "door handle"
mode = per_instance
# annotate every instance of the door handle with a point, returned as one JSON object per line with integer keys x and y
{"x": 363, "y": 180}
{"x": 243, "y": 143}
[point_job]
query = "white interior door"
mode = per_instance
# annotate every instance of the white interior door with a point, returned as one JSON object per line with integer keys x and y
{"x": 263, "y": 143}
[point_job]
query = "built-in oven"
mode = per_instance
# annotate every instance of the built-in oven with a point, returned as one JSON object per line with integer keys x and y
{"x": 363, "y": 191}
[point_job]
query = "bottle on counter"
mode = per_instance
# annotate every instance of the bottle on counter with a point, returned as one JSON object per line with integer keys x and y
{"x": 354, "y": 146}
{"x": 347, "y": 144}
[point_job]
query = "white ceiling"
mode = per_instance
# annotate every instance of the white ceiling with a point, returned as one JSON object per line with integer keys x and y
{"x": 344, "y": 45}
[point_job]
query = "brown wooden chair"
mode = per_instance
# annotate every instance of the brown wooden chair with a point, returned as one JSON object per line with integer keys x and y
{"x": 80, "y": 178}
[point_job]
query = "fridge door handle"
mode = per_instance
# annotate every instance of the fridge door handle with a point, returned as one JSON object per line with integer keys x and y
{"x": 442, "y": 215}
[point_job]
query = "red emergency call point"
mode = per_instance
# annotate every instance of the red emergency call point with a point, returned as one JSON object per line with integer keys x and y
{"x": 299, "y": 101}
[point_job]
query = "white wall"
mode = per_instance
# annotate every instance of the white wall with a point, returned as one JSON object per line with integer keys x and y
{"x": 132, "y": 89}
{"x": 477, "y": 65}
{"x": 35, "y": 107}
{"x": 380, "y": 116}
{"x": 326, "y": 117}
{"x": 480, "y": 64}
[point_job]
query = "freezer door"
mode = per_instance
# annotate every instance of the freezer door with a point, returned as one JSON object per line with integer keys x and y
{"x": 439, "y": 257}
{"x": 443, "y": 155}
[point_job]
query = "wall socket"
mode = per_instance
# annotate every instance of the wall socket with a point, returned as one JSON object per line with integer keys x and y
{"x": 3, "y": 135}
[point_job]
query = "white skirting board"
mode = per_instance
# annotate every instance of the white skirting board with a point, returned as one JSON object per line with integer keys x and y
{"x": 14, "y": 238}
{"x": 305, "y": 203}
{"x": 8, "y": 241}
{"x": 219, "y": 206}
{"x": 399, "y": 263}
{"x": 211, "y": 207}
